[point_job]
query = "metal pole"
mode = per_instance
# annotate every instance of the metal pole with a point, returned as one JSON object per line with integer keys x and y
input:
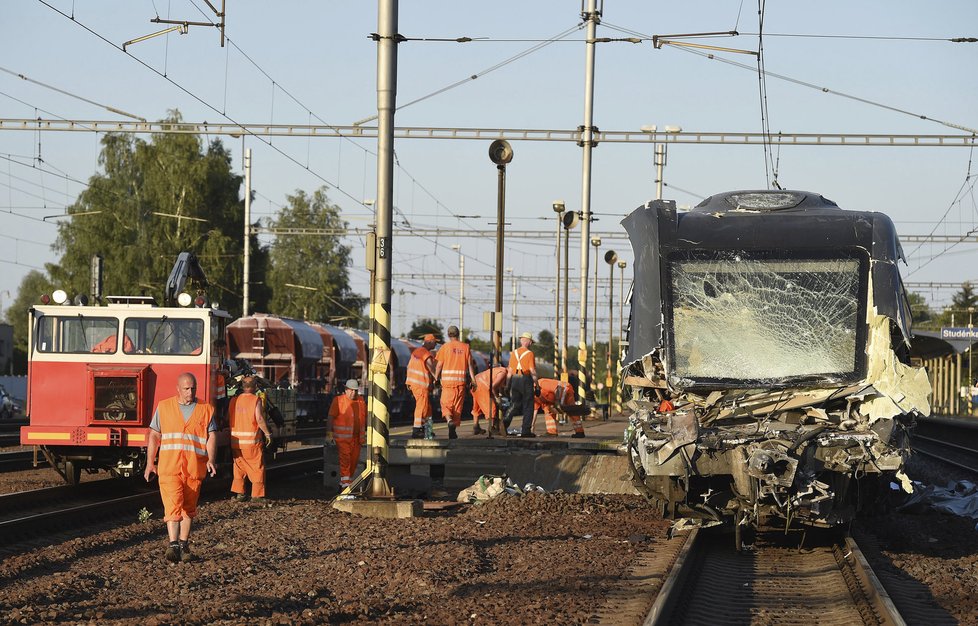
{"x": 500, "y": 238}
{"x": 609, "y": 380}
{"x": 461, "y": 294}
{"x": 515, "y": 329}
{"x": 621, "y": 325}
{"x": 380, "y": 306}
{"x": 592, "y": 17}
{"x": 564, "y": 375}
{"x": 246, "y": 286}
{"x": 660, "y": 161}
{"x": 596, "y": 242}
{"x": 559, "y": 209}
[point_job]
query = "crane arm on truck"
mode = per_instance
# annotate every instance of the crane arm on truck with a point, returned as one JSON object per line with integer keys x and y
{"x": 187, "y": 267}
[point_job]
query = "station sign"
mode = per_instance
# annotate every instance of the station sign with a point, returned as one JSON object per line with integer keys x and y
{"x": 959, "y": 333}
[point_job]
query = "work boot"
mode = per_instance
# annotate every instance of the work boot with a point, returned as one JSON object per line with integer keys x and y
{"x": 477, "y": 430}
{"x": 577, "y": 436}
{"x": 240, "y": 497}
{"x": 417, "y": 433}
{"x": 527, "y": 434}
{"x": 185, "y": 556}
{"x": 173, "y": 552}
{"x": 451, "y": 432}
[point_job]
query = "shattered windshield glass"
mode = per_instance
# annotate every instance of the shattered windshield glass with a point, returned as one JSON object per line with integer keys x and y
{"x": 736, "y": 318}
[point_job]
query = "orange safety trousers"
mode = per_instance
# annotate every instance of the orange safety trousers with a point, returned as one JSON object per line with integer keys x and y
{"x": 246, "y": 449}
{"x": 451, "y": 404}
{"x": 183, "y": 458}
{"x": 422, "y": 405}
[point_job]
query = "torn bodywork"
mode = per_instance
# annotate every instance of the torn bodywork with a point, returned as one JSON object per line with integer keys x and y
{"x": 768, "y": 350}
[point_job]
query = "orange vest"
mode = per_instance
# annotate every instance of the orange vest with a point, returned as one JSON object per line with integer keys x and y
{"x": 454, "y": 357}
{"x": 549, "y": 388}
{"x": 183, "y": 446}
{"x": 482, "y": 378}
{"x": 222, "y": 388}
{"x": 349, "y": 417}
{"x": 521, "y": 362}
{"x": 417, "y": 371}
{"x": 244, "y": 424}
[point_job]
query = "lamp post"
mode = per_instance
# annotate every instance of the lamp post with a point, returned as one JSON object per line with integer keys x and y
{"x": 621, "y": 325}
{"x": 461, "y": 289}
{"x": 500, "y": 153}
{"x": 559, "y": 208}
{"x": 596, "y": 242}
{"x": 610, "y": 257}
{"x": 569, "y": 220}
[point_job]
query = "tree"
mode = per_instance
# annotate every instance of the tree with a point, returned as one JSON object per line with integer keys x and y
{"x": 308, "y": 274}
{"x": 543, "y": 347}
{"x": 154, "y": 200}
{"x": 424, "y": 326}
{"x": 920, "y": 310}
{"x": 31, "y": 287}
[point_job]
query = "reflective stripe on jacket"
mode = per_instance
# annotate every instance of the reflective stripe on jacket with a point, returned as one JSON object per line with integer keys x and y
{"x": 349, "y": 417}
{"x": 418, "y": 374}
{"x": 183, "y": 446}
{"x": 244, "y": 424}
{"x": 521, "y": 361}
{"x": 454, "y": 357}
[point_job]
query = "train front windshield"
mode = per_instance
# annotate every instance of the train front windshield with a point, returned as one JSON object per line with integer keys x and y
{"x": 739, "y": 320}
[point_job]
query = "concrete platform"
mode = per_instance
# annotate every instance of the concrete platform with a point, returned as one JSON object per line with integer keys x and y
{"x": 589, "y": 465}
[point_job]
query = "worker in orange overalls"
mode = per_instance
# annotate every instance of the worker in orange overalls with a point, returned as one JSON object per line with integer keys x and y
{"x": 453, "y": 362}
{"x": 523, "y": 372}
{"x": 420, "y": 374}
{"x": 556, "y": 397}
{"x": 484, "y": 400}
{"x": 247, "y": 419}
{"x": 182, "y": 430}
{"x": 346, "y": 427}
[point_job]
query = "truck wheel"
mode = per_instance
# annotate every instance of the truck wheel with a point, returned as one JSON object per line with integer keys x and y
{"x": 72, "y": 473}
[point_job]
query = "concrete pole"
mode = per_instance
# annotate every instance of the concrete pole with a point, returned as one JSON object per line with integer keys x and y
{"x": 380, "y": 305}
{"x": 246, "y": 279}
{"x": 660, "y": 161}
{"x": 596, "y": 241}
{"x": 558, "y": 370}
{"x": 609, "y": 379}
{"x": 515, "y": 327}
{"x": 592, "y": 17}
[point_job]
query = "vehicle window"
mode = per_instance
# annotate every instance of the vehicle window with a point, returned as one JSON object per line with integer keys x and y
{"x": 77, "y": 334}
{"x": 162, "y": 335}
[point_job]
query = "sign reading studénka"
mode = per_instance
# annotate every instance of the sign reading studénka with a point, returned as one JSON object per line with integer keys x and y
{"x": 959, "y": 333}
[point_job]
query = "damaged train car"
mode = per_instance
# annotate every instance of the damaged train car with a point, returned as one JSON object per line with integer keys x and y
{"x": 768, "y": 358}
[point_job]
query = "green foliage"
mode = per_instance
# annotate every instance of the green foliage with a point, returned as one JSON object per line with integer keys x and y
{"x": 29, "y": 293}
{"x": 543, "y": 347}
{"x": 143, "y": 516}
{"x": 921, "y": 311}
{"x": 308, "y": 274}
{"x": 154, "y": 200}
{"x": 424, "y": 326}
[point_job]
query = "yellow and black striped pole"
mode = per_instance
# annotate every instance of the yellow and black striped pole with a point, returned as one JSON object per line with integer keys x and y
{"x": 380, "y": 305}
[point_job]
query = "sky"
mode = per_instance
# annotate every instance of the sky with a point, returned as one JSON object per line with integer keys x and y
{"x": 873, "y": 67}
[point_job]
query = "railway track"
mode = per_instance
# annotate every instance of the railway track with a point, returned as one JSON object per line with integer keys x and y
{"x": 34, "y": 513}
{"x": 701, "y": 579}
{"x": 19, "y": 461}
{"x": 953, "y": 441}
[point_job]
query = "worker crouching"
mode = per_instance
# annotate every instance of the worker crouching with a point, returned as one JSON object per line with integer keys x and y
{"x": 346, "y": 426}
{"x": 556, "y": 397}
{"x": 247, "y": 446}
{"x": 182, "y": 431}
{"x": 485, "y": 401}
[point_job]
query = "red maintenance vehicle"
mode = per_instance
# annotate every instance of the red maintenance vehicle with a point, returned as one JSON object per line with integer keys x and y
{"x": 96, "y": 373}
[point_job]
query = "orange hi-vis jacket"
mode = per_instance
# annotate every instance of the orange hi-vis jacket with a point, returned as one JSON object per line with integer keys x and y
{"x": 454, "y": 357}
{"x": 418, "y": 374}
{"x": 349, "y": 418}
{"x": 521, "y": 361}
{"x": 244, "y": 424}
{"x": 484, "y": 403}
{"x": 549, "y": 388}
{"x": 183, "y": 447}
{"x": 221, "y": 385}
